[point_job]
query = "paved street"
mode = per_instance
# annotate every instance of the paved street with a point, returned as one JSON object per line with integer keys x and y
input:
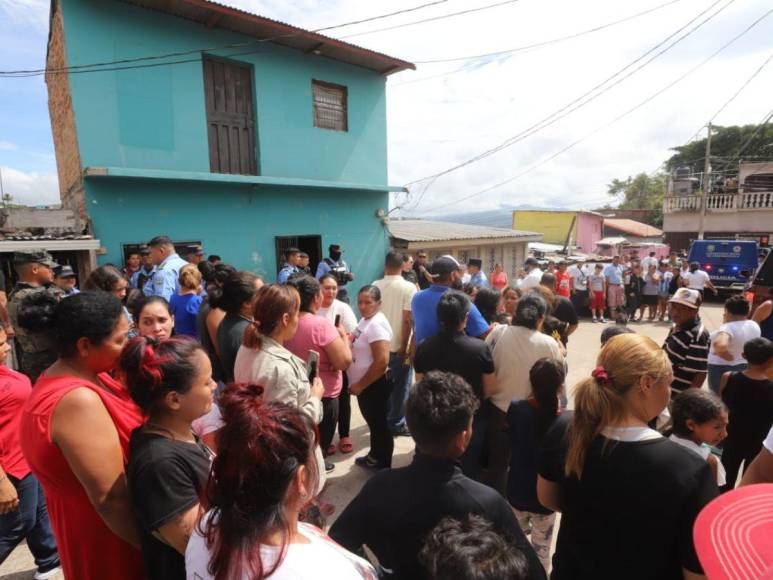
{"x": 347, "y": 478}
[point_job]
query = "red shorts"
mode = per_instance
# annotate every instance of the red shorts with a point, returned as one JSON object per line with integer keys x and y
{"x": 597, "y": 302}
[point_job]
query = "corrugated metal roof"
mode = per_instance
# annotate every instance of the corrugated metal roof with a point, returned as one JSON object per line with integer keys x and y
{"x": 431, "y": 231}
{"x": 633, "y": 228}
{"x": 214, "y": 14}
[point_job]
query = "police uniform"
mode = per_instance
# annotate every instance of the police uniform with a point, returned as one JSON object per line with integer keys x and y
{"x": 166, "y": 280}
{"x": 36, "y": 349}
{"x": 286, "y": 272}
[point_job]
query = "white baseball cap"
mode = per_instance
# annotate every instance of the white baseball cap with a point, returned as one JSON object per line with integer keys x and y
{"x": 687, "y": 297}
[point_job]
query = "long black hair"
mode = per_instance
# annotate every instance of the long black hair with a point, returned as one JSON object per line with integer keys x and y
{"x": 547, "y": 379}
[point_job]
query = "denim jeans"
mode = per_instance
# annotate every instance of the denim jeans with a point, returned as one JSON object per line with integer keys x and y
{"x": 716, "y": 372}
{"x": 401, "y": 375}
{"x": 30, "y": 521}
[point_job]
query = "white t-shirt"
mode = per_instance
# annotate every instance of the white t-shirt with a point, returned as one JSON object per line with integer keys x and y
{"x": 740, "y": 332}
{"x": 208, "y": 423}
{"x": 768, "y": 443}
{"x": 368, "y": 331}
{"x": 396, "y": 296}
{"x": 704, "y": 451}
{"x": 580, "y": 276}
{"x": 531, "y": 280}
{"x": 696, "y": 280}
{"x": 649, "y": 261}
{"x": 515, "y": 350}
{"x": 348, "y": 318}
{"x": 320, "y": 558}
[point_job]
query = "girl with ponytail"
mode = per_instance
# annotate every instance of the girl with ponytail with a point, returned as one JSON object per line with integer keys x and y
{"x": 263, "y": 477}
{"x": 628, "y": 495}
{"x": 171, "y": 382}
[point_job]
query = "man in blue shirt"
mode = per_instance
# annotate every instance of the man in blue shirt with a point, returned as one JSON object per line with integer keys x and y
{"x": 166, "y": 281}
{"x": 446, "y": 273}
{"x": 614, "y": 273}
{"x": 292, "y": 256}
{"x": 146, "y": 272}
{"x": 477, "y": 277}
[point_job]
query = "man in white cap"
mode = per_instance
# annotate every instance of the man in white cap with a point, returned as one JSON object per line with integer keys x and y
{"x": 687, "y": 345}
{"x": 532, "y": 276}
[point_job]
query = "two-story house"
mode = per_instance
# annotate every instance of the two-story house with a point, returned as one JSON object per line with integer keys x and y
{"x": 216, "y": 126}
{"x": 740, "y": 208}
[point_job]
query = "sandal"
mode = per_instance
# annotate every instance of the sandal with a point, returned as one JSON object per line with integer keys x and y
{"x": 345, "y": 445}
{"x": 331, "y": 450}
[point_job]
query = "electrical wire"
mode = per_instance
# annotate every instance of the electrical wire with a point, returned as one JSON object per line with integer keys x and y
{"x": 618, "y": 118}
{"x": 589, "y": 95}
{"x": 578, "y": 103}
{"x": 221, "y": 47}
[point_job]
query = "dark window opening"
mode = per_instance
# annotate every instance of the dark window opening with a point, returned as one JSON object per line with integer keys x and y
{"x": 330, "y": 106}
{"x": 230, "y": 117}
{"x": 311, "y": 245}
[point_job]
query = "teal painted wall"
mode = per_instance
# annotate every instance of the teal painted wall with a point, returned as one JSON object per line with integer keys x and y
{"x": 242, "y": 225}
{"x": 155, "y": 117}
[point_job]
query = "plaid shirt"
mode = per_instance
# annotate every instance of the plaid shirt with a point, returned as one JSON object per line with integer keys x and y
{"x": 688, "y": 350}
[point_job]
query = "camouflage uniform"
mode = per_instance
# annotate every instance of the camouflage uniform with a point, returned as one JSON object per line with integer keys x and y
{"x": 35, "y": 349}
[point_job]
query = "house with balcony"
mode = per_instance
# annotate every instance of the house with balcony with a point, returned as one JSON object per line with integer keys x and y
{"x": 739, "y": 208}
{"x": 216, "y": 126}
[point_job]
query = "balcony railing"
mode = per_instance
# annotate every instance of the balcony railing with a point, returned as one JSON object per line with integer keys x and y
{"x": 722, "y": 202}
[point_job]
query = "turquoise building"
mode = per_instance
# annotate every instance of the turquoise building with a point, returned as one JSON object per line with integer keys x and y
{"x": 216, "y": 126}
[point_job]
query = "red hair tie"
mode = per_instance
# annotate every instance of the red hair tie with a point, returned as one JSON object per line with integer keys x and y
{"x": 150, "y": 363}
{"x": 601, "y": 375}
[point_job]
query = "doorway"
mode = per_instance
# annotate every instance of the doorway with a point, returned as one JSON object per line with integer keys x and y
{"x": 311, "y": 245}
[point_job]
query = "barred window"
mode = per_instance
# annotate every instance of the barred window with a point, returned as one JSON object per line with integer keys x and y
{"x": 330, "y": 106}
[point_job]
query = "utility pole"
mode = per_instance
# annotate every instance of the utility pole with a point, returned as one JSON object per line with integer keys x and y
{"x": 2, "y": 192}
{"x": 706, "y": 189}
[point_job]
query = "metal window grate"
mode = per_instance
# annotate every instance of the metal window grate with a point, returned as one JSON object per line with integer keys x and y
{"x": 330, "y": 106}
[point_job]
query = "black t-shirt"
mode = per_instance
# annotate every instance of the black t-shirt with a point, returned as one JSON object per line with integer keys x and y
{"x": 229, "y": 338}
{"x": 460, "y": 354}
{"x": 410, "y": 276}
{"x": 166, "y": 478}
{"x": 750, "y": 406}
{"x": 565, "y": 312}
{"x": 423, "y": 282}
{"x": 2, "y": 281}
{"x": 632, "y": 513}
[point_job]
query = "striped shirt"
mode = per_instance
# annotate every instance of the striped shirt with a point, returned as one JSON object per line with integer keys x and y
{"x": 688, "y": 350}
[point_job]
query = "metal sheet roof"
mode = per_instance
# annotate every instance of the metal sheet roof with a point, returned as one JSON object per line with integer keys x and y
{"x": 214, "y": 14}
{"x": 431, "y": 231}
{"x": 633, "y": 228}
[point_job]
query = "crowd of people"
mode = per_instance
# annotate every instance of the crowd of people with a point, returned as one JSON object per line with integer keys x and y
{"x": 184, "y": 416}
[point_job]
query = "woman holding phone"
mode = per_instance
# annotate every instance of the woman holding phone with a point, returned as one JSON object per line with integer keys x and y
{"x": 329, "y": 346}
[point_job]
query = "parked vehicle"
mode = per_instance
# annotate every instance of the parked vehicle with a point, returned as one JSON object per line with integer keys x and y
{"x": 729, "y": 263}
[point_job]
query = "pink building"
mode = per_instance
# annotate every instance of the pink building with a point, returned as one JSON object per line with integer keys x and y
{"x": 556, "y": 226}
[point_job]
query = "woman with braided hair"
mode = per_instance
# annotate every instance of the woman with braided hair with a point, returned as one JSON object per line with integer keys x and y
{"x": 262, "y": 479}
{"x": 171, "y": 381}
{"x": 74, "y": 432}
{"x": 628, "y": 496}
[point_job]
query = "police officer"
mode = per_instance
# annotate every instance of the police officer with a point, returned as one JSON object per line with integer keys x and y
{"x": 194, "y": 254}
{"x": 166, "y": 281}
{"x": 292, "y": 258}
{"x": 336, "y": 265}
{"x": 35, "y": 350}
{"x": 146, "y": 272}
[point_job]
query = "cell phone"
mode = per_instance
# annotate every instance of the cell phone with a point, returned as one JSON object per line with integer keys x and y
{"x": 338, "y": 320}
{"x": 313, "y": 364}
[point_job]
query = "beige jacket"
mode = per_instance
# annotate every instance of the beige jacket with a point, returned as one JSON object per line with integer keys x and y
{"x": 282, "y": 375}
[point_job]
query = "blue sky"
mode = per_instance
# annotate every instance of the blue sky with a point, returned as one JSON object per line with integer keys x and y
{"x": 437, "y": 120}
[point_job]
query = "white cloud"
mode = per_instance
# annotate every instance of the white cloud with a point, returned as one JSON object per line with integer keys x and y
{"x": 8, "y": 146}
{"x": 31, "y": 188}
{"x": 33, "y": 13}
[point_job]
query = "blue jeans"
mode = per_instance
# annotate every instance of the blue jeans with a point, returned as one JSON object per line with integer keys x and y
{"x": 30, "y": 521}
{"x": 402, "y": 375}
{"x": 716, "y": 372}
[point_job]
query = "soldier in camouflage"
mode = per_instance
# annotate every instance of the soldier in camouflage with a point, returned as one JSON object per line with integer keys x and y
{"x": 35, "y": 349}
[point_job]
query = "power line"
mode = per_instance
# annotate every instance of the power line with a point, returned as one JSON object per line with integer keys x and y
{"x": 25, "y": 73}
{"x": 434, "y": 18}
{"x": 578, "y": 103}
{"x": 551, "y": 41}
{"x": 616, "y": 119}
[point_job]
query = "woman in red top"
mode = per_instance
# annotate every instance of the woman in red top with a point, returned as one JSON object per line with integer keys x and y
{"x": 75, "y": 432}
{"x": 499, "y": 278}
{"x": 23, "y": 512}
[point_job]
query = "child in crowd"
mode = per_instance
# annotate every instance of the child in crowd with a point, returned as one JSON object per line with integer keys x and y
{"x": 612, "y": 331}
{"x": 749, "y": 397}
{"x": 598, "y": 289}
{"x": 634, "y": 287}
{"x": 529, "y": 420}
{"x": 699, "y": 423}
{"x": 185, "y": 305}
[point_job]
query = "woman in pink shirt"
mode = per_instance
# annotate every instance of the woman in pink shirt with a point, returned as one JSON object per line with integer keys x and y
{"x": 499, "y": 278}
{"x": 322, "y": 336}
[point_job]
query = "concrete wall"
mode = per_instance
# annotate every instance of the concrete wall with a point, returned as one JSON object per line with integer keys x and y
{"x": 553, "y": 225}
{"x": 241, "y": 226}
{"x": 22, "y": 218}
{"x": 740, "y": 221}
{"x": 511, "y": 256}
{"x": 155, "y": 117}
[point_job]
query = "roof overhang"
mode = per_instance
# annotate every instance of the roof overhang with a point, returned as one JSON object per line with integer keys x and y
{"x": 212, "y": 14}
{"x": 462, "y": 243}
{"x": 48, "y": 245}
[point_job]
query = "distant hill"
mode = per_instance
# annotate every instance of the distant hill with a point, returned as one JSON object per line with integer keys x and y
{"x": 495, "y": 218}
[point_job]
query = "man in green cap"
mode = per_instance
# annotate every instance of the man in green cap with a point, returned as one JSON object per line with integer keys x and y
{"x": 35, "y": 350}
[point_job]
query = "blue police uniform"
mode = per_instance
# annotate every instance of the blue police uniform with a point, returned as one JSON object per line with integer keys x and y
{"x": 166, "y": 281}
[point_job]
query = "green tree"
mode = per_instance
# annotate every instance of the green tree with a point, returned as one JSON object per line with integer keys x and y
{"x": 640, "y": 192}
{"x": 726, "y": 142}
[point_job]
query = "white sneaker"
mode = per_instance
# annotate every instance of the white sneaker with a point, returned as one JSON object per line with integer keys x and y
{"x": 48, "y": 573}
{"x": 603, "y": 320}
